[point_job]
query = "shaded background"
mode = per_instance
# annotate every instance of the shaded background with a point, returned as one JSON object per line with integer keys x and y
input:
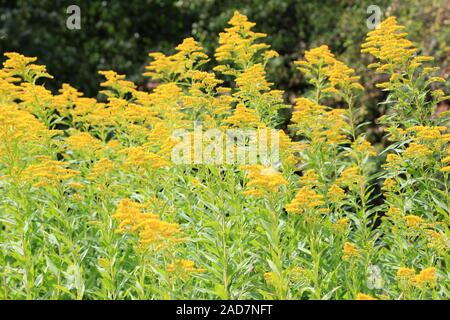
{"x": 118, "y": 35}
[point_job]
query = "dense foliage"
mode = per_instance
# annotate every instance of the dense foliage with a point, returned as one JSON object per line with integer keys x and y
{"x": 93, "y": 205}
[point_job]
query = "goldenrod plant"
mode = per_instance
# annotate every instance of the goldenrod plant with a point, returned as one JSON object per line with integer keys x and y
{"x": 95, "y": 205}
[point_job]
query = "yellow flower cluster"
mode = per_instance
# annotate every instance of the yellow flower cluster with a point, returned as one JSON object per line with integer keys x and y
{"x": 351, "y": 177}
{"x": 176, "y": 67}
{"x": 318, "y": 124}
{"x": 396, "y": 55}
{"x": 21, "y": 127}
{"x": 152, "y": 231}
{"x": 389, "y": 45}
{"x": 252, "y": 81}
{"x": 336, "y": 193}
{"x": 139, "y": 158}
{"x": 325, "y": 71}
{"x": 117, "y": 83}
{"x": 47, "y": 172}
{"x": 350, "y": 251}
{"x": 19, "y": 65}
{"x": 122, "y": 147}
{"x": 101, "y": 169}
{"x": 244, "y": 117}
{"x": 362, "y": 296}
{"x": 425, "y": 278}
{"x": 305, "y": 200}
{"x": 183, "y": 267}
{"x": 263, "y": 180}
{"x": 83, "y": 143}
{"x": 8, "y": 90}
{"x": 238, "y": 45}
{"x": 65, "y": 101}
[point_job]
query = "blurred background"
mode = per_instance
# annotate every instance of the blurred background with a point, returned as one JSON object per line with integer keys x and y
{"x": 118, "y": 35}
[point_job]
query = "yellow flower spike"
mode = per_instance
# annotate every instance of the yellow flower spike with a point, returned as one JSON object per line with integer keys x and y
{"x": 317, "y": 124}
{"x": 426, "y": 277}
{"x": 437, "y": 241}
{"x": 21, "y": 128}
{"x": 362, "y": 296}
{"x": 139, "y": 158}
{"x": 335, "y": 193}
{"x": 321, "y": 67}
{"x": 413, "y": 221}
{"x": 183, "y": 267}
{"x": 101, "y": 169}
{"x": 244, "y": 117}
{"x": 19, "y": 65}
{"x": 190, "y": 55}
{"x": 305, "y": 199}
{"x": 238, "y": 45}
{"x": 405, "y": 274}
{"x": 252, "y": 81}
{"x": 341, "y": 225}
{"x": 395, "y": 54}
{"x": 48, "y": 172}
{"x": 66, "y": 99}
{"x": 350, "y": 177}
{"x": 117, "y": 83}
{"x": 152, "y": 231}
{"x": 84, "y": 143}
{"x": 350, "y": 251}
{"x": 311, "y": 179}
{"x": 363, "y": 146}
{"x": 263, "y": 181}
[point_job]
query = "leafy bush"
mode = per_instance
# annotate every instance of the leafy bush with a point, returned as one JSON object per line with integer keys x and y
{"x": 94, "y": 206}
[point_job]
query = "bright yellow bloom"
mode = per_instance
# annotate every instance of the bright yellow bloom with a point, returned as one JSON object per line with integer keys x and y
{"x": 117, "y": 83}
{"x": 389, "y": 45}
{"x": 66, "y": 99}
{"x": 306, "y": 199}
{"x": 426, "y": 277}
{"x": 263, "y": 180}
{"x": 363, "y": 146}
{"x": 21, "y": 129}
{"x": 183, "y": 266}
{"x": 48, "y": 172}
{"x": 317, "y": 124}
{"x": 389, "y": 184}
{"x": 362, "y": 296}
{"x": 238, "y": 45}
{"x": 19, "y": 65}
{"x": 350, "y": 177}
{"x": 341, "y": 225}
{"x": 316, "y": 59}
{"x": 310, "y": 178}
{"x": 139, "y": 157}
{"x": 244, "y": 117}
{"x": 83, "y": 142}
{"x": 350, "y": 251}
{"x": 336, "y": 193}
{"x": 321, "y": 67}
{"x": 405, "y": 273}
{"x": 413, "y": 221}
{"x": 252, "y": 81}
{"x": 101, "y": 169}
{"x": 437, "y": 241}
{"x": 152, "y": 231}
{"x": 189, "y": 57}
